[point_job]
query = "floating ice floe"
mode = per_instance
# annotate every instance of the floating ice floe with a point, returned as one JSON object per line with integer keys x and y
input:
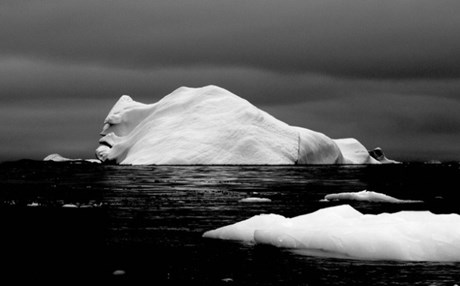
{"x": 366, "y": 196}
{"x": 69, "y": 206}
{"x": 82, "y": 206}
{"x": 58, "y": 158}
{"x": 255, "y": 200}
{"x": 342, "y": 231}
{"x": 211, "y": 125}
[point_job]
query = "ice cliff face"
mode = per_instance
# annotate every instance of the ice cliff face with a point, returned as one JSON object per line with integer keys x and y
{"x": 211, "y": 125}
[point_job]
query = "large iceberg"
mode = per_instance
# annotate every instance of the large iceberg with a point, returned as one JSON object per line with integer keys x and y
{"x": 211, "y": 125}
{"x": 342, "y": 231}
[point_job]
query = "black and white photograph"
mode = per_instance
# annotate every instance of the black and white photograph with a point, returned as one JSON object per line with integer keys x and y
{"x": 213, "y": 142}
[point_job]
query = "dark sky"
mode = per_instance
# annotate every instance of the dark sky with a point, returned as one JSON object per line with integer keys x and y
{"x": 384, "y": 72}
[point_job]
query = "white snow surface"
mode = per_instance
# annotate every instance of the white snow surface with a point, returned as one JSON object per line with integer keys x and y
{"x": 211, "y": 125}
{"x": 367, "y": 196}
{"x": 342, "y": 231}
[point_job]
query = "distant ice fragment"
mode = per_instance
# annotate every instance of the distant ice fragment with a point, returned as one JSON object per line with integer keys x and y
{"x": 69, "y": 206}
{"x": 255, "y": 200}
{"x": 433, "y": 162}
{"x": 58, "y": 158}
{"x": 367, "y": 196}
{"x": 119, "y": 272}
{"x": 342, "y": 231}
{"x": 211, "y": 125}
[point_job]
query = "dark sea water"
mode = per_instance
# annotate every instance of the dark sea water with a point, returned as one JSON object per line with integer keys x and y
{"x": 144, "y": 224}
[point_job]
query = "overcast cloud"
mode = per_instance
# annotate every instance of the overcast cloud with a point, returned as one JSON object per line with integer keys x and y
{"x": 384, "y": 72}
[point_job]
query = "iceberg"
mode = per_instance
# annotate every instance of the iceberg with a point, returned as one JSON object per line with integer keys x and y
{"x": 367, "y": 196}
{"x": 211, "y": 125}
{"x": 58, "y": 158}
{"x": 379, "y": 155}
{"x": 344, "y": 232}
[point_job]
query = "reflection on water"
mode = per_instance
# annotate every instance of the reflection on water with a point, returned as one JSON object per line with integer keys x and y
{"x": 147, "y": 221}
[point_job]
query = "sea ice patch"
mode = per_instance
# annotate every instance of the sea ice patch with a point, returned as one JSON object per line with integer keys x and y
{"x": 255, "y": 200}
{"x": 367, "y": 196}
{"x": 342, "y": 231}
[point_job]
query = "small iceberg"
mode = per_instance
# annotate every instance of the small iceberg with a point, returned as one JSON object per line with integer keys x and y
{"x": 342, "y": 231}
{"x": 255, "y": 200}
{"x": 58, "y": 158}
{"x": 367, "y": 196}
{"x": 379, "y": 155}
{"x": 33, "y": 204}
{"x": 70, "y": 206}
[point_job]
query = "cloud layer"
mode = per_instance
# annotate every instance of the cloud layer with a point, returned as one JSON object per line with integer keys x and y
{"x": 385, "y": 72}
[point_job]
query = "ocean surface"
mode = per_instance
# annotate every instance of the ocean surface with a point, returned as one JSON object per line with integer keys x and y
{"x": 67, "y": 222}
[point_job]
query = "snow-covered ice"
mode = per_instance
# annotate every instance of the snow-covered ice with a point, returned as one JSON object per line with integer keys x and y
{"x": 342, "y": 231}
{"x": 211, "y": 125}
{"x": 367, "y": 196}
